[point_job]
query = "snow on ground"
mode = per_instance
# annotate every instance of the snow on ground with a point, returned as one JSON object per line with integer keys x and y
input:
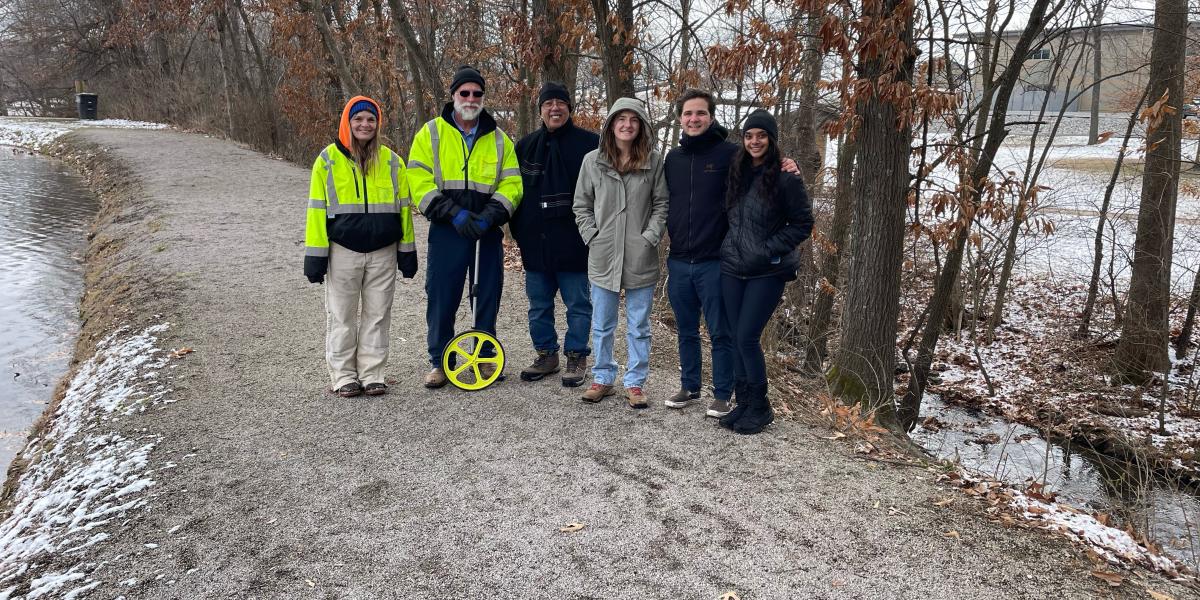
{"x": 36, "y": 133}
{"x": 1075, "y": 176}
{"x": 1113, "y": 545}
{"x": 81, "y": 475}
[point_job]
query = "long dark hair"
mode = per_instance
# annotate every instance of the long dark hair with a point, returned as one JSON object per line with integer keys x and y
{"x": 741, "y": 174}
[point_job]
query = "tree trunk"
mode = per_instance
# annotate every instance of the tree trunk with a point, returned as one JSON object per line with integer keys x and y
{"x": 863, "y": 370}
{"x": 1085, "y": 320}
{"x": 426, "y": 80}
{"x": 1142, "y": 348}
{"x": 948, "y": 277}
{"x": 263, "y": 72}
{"x": 614, "y": 31}
{"x": 839, "y": 229}
{"x": 1097, "y": 74}
{"x": 1185, "y": 334}
{"x": 1028, "y": 189}
{"x": 556, "y": 64}
{"x": 345, "y": 79}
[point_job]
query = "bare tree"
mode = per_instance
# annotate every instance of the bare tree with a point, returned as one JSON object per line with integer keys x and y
{"x": 863, "y": 369}
{"x": 948, "y": 277}
{"x": 1142, "y": 349}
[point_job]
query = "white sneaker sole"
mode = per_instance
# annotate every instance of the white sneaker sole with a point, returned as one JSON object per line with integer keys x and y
{"x": 716, "y": 413}
{"x": 670, "y": 404}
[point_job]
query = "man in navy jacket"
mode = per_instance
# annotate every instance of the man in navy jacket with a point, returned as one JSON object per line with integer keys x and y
{"x": 696, "y": 173}
{"x": 553, "y": 254}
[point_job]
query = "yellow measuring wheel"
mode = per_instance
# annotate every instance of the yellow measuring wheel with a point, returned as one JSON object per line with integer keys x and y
{"x": 463, "y": 365}
{"x": 462, "y": 359}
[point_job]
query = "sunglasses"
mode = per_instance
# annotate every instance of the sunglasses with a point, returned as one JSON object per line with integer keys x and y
{"x": 470, "y": 93}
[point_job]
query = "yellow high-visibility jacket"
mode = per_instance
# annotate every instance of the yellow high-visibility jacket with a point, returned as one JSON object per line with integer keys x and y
{"x": 444, "y": 176}
{"x": 361, "y": 211}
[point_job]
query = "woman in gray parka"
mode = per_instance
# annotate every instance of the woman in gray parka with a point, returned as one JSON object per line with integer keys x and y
{"x": 621, "y": 210}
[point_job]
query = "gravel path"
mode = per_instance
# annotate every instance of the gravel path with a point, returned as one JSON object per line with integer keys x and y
{"x": 285, "y": 491}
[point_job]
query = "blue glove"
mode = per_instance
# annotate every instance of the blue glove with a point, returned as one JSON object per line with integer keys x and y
{"x": 462, "y": 223}
{"x": 483, "y": 224}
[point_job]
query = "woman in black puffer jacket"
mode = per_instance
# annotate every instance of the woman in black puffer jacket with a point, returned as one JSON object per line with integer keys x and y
{"x": 769, "y": 217}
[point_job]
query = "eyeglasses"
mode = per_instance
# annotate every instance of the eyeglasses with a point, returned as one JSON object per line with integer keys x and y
{"x": 470, "y": 93}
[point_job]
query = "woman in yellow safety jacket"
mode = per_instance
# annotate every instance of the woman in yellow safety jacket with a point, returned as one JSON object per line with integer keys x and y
{"x": 359, "y": 232}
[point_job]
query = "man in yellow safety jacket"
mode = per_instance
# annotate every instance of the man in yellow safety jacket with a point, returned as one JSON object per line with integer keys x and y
{"x": 464, "y": 177}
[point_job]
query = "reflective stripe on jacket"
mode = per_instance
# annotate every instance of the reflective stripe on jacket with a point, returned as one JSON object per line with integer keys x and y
{"x": 445, "y": 176}
{"x": 363, "y": 212}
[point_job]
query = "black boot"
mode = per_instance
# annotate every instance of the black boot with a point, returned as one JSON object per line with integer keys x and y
{"x": 759, "y": 414}
{"x": 743, "y": 402}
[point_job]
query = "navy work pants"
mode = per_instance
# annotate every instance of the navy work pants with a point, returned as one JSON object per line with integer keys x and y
{"x": 447, "y": 261}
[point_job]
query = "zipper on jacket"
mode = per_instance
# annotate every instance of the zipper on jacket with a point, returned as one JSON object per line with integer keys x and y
{"x": 691, "y": 200}
{"x": 360, "y": 194}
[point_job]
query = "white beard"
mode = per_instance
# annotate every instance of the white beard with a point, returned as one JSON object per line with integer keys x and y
{"x": 467, "y": 113}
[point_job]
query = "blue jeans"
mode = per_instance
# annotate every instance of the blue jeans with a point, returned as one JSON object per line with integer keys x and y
{"x": 692, "y": 288}
{"x": 541, "y": 286}
{"x": 749, "y": 304}
{"x": 637, "y": 339}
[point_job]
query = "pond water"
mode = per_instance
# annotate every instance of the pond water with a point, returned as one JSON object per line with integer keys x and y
{"x": 47, "y": 210}
{"x": 1017, "y": 454}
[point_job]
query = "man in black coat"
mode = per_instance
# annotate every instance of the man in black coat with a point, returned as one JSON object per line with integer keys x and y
{"x": 553, "y": 254}
{"x": 696, "y": 174}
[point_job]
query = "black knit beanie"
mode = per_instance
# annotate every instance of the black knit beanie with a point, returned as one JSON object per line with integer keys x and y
{"x": 554, "y": 91}
{"x": 466, "y": 74}
{"x": 761, "y": 119}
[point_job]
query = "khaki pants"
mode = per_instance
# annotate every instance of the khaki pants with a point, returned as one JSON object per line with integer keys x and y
{"x": 356, "y": 347}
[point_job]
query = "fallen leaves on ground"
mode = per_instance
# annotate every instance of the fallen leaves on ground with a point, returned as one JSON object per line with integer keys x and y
{"x": 730, "y": 596}
{"x": 571, "y": 527}
{"x": 1111, "y": 579}
{"x": 181, "y": 352}
{"x": 1159, "y": 595}
{"x": 953, "y": 534}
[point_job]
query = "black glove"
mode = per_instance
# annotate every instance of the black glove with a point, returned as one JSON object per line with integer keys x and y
{"x": 315, "y": 268}
{"x": 407, "y": 263}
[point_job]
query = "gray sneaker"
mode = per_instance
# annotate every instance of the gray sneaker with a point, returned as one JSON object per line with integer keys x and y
{"x": 681, "y": 399}
{"x": 718, "y": 408}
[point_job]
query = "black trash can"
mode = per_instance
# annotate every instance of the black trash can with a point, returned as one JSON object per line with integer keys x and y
{"x": 87, "y": 103}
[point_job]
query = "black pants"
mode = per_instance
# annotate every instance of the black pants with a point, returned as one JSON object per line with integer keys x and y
{"x": 748, "y": 305}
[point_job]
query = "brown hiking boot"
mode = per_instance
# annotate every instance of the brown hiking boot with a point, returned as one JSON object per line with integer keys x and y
{"x": 597, "y": 393}
{"x": 486, "y": 369}
{"x": 436, "y": 378}
{"x": 545, "y": 364}
{"x": 635, "y": 397}
{"x": 576, "y": 370}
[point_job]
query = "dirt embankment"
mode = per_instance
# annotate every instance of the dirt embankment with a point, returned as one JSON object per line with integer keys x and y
{"x": 116, "y": 293}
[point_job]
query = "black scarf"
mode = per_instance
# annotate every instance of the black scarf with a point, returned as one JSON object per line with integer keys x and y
{"x": 548, "y": 181}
